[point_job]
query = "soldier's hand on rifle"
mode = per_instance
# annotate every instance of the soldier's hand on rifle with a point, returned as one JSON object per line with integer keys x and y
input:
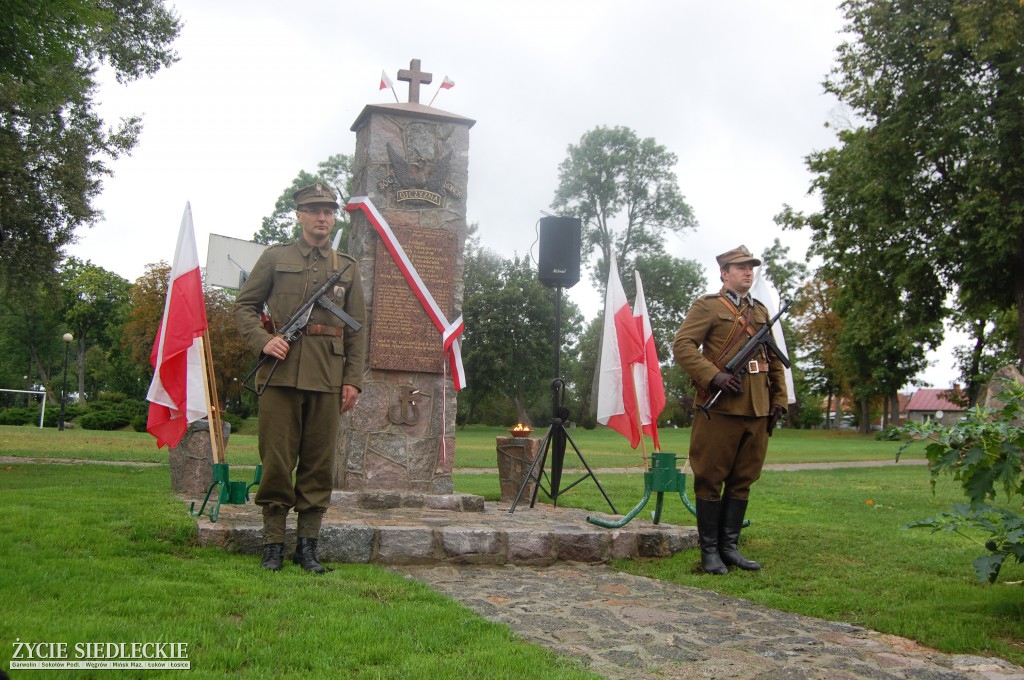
{"x": 774, "y": 413}
{"x": 276, "y": 347}
{"x": 728, "y": 382}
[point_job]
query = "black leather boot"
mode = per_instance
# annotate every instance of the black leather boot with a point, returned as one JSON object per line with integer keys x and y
{"x": 273, "y": 555}
{"x": 305, "y": 556}
{"x": 708, "y": 514}
{"x": 730, "y": 524}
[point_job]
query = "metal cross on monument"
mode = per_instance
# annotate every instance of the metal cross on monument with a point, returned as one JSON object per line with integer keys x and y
{"x": 414, "y": 76}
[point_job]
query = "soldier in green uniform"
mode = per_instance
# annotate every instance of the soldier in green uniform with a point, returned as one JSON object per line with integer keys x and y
{"x": 317, "y": 378}
{"x": 728, "y": 451}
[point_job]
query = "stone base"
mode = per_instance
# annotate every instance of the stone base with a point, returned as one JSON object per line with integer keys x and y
{"x": 541, "y": 535}
{"x": 515, "y": 456}
{"x": 191, "y": 461}
{"x": 389, "y": 500}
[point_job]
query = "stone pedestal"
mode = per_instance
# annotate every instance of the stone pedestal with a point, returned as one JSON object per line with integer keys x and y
{"x": 412, "y": 164}
{"x": 191, "y": 461}
{"x": 515, "y": 456}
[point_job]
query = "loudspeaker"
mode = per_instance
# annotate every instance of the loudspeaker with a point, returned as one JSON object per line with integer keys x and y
{"x": 559, "y": 258}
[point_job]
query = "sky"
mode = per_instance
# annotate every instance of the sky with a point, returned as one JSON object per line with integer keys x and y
{"x": 264, "y": 89}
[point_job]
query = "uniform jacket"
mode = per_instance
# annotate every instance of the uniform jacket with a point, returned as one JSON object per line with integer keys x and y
{"x": 701, "y": 339}
{"x": 284, "y": 277}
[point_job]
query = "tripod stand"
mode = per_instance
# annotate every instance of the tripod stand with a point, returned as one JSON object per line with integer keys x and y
{"x": 556, "y": 436}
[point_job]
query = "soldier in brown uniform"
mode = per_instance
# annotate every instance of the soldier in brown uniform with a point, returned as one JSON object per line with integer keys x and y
{"x": 317, "y": 378}
{"x": 729, "y": 449}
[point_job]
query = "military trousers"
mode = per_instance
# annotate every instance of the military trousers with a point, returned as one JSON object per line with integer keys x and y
{"x": 727, "y": 453}
{"x": 298, "y": 433}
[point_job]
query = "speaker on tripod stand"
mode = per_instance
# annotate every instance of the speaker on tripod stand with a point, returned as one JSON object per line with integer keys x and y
{"x": 558, "y": 265}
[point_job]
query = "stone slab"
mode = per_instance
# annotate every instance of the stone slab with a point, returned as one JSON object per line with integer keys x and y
{"x": 381, "y": 529}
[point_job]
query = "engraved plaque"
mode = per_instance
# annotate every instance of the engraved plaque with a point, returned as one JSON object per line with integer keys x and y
{"x": 402, "y": 336}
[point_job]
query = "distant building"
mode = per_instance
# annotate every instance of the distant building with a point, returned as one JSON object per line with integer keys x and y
{"x": 930, "y": 404}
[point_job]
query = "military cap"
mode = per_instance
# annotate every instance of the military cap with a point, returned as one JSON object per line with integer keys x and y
{"x": 319, "y": 193}
{"x": 738, "y": 255}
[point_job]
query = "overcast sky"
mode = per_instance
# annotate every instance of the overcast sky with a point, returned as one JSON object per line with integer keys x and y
{"x": 265, "y": 89}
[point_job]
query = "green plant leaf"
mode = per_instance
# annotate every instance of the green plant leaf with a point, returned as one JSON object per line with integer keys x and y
{"x": 987, "y": 566}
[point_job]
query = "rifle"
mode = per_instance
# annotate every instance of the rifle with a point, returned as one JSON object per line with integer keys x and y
{"x": 740, "y": 364}
{"x": 292, "y": 330}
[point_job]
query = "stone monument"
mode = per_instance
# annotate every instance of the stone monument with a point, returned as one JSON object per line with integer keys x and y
{"x": 411, "y": 163}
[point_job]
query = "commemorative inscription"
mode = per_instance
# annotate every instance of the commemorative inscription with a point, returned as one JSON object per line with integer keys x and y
{"x": 402, "y": 336}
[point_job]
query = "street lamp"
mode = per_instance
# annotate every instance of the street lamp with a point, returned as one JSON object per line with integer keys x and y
{"x": 64, "y": 390}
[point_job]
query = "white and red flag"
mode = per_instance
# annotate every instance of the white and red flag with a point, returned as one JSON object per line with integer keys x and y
{"x": 447, "y": 83}
{"x": 650, "y": 388}
{"x": 177, "y": 395}
{"x": 385, "y": 81}
{"x": 621, "y": 346}
{"x": 765, "y": 293}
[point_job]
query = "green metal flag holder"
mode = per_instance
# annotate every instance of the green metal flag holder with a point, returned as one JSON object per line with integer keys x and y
{"x": 228, "y": 492}
{"x": 663, "y": 478}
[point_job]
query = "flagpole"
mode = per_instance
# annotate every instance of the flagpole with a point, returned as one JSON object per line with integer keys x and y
{"x": 639, "y": 423}
{"x": 439, "y": 88}
{"x": 396, "y": 94}
{"x": 212, "y": 411}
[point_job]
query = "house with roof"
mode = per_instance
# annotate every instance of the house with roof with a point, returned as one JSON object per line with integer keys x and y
{"x": 930, "y": 404}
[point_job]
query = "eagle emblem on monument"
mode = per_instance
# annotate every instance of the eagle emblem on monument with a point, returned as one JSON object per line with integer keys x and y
{"x": 421, "y": 179}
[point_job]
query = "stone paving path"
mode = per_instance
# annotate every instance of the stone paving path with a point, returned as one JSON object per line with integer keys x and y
{"x": 623, "y": 626}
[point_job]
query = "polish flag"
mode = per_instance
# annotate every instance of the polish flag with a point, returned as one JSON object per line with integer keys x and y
{"x": 621, "y": 346}
{"x": 650, "y": 388}
{"x": 447, "y": 83}
{"x": 385, "y": 81}
{"x": 177, "y": 395}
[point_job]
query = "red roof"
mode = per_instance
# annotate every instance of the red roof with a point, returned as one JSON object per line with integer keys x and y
{"x": 931, "y": 400}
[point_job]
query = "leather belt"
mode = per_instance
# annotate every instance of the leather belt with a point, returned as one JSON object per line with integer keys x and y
{"x": 318, "y": 329}
{"x": 757, "y": 367}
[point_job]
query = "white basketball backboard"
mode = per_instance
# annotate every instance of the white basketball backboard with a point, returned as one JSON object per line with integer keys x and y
{"x": 229, "y": 260}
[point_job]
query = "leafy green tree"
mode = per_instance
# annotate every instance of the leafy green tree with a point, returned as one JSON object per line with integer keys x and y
{"x": 31, "y": 327}
{"x": 93, "y": 301}
{"x": 993, "y": 338}
{"x": 509, "y": 345}
{"x": 282, "y": 227}
{"x": 54, "y": 144}
{"x": 624, "y": 190}
{"x": 941, "y": 90}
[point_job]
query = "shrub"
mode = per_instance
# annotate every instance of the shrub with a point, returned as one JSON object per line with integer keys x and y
{"x": 18, "y": 416}
{"x": 139, "y": 423}
{"x": 232, "y": 419}
{"x": 103, "y": 420}
{"x": 984, "y": 453}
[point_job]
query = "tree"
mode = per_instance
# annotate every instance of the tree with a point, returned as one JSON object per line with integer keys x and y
{"x": 54, "y": 143}
{"x": 231, "y": 358}
{"x": 30, "y": 339}
{"x": 509, "y": 347}
{"x": 612, "y": 172}
{"x": 941, "y": 88}
{"x": 93, "y": 300}
{"x": 282, "y": 227}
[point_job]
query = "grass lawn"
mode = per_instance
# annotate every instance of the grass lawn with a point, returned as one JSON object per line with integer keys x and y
{"x": 96, "y": 553}
{"x": 475, "y": 446}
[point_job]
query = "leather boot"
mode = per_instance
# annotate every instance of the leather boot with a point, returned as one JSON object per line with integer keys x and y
{"x": 730, "y": 524}
{"x": 305, "y": 556}
{"x": 273, "y": 555}
{"x": 708, "y": 514}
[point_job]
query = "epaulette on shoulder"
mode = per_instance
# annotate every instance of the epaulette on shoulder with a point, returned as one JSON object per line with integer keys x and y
{"x": 345, "y": 255}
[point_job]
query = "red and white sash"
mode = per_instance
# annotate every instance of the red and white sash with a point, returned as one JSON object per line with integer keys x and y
{"x": 450, "y": 332}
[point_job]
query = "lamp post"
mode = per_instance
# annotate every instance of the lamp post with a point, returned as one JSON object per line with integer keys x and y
{"x": 64, "y": 390}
